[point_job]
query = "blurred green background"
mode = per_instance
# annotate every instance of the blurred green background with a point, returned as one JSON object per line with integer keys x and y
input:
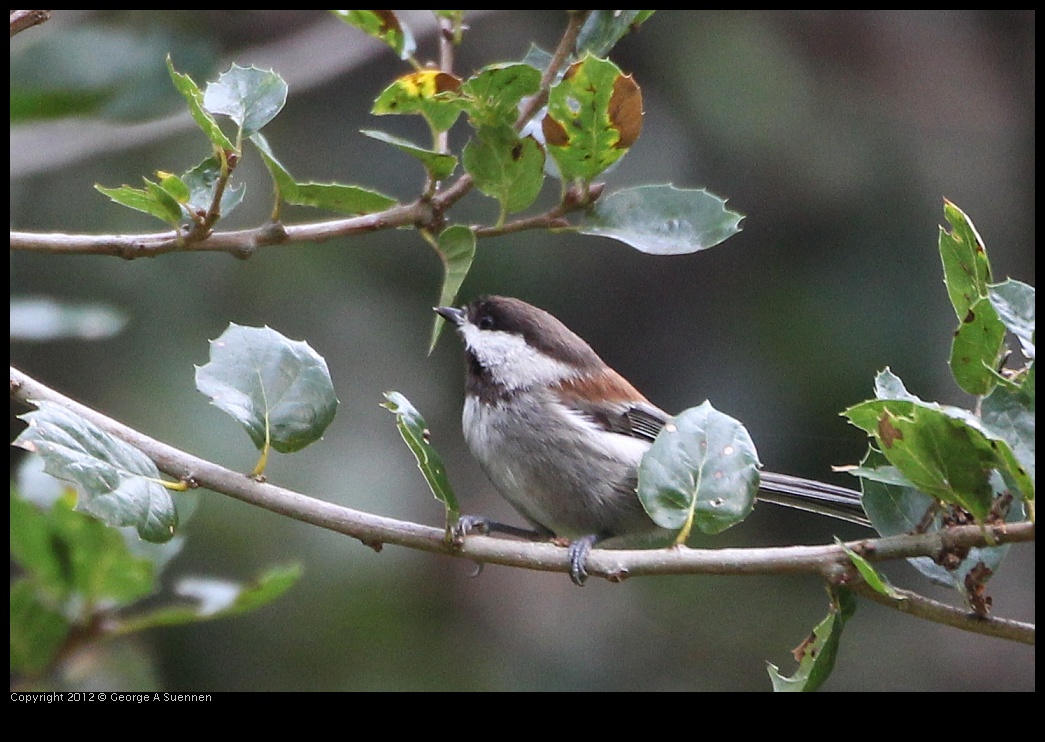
{"x": 838, "y": 134}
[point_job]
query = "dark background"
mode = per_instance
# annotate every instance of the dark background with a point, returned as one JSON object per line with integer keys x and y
{"x": 838, "y": 134}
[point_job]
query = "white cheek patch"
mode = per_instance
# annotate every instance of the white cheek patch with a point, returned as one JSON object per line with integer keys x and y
{"x": 511, "y": 360}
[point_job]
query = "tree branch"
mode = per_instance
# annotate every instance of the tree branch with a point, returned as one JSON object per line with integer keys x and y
{"x": 828, "y": 561}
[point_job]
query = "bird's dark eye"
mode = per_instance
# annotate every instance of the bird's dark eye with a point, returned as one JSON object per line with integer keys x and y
{"x": 486, "y": 321}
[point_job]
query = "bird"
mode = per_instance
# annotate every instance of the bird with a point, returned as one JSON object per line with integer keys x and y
{"x": 560, "y": 434}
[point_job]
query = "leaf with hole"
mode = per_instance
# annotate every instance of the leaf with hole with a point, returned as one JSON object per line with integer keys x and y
{"x": 702, "y": 469}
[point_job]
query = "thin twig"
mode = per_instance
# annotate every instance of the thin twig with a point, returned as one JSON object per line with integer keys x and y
{"x": 827, "y": 561}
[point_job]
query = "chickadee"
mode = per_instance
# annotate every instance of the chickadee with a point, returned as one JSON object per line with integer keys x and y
{"x": 560, "y": 434}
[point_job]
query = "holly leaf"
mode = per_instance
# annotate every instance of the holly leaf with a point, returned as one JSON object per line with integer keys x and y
{"x": 594, "y": 116}
{"x": 438, "y": 164}
{"x": 505, "y": 167}
{"x": 415, "y": 433}
{"x": 117, "y": 483}
{"x": 194, "y": 97}
{"x": 456, "y": 248}
{"x": 662, "y": 219}
{"x": 430, "y": 93}
{"x": 383, "y": 25}
{"x": 345, "y": 199}
{"x": 816, "y": 655}
{"x": 966, "y": 269}
{"x": 703, "y": 469}
{"x": 247, "y": 95}
{"x": 278, "y": 389}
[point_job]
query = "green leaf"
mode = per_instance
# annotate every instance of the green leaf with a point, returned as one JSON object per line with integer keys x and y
{"x": 174, "y": 187}
{"x": 662, "y": 219}
{"x": 876, "y": 581}
{"x": 505, "y": 167}
{"x": 383, "y": 25}
{"x": 415, "y": 432}
{"x": 194, "y": 96}
{"x": 1011, "y": 413}
{"x": 816, "y": 655}
{"x": 278, "y": 389}
{"x": 493, "y": 94}
{"x": 438, "y": 164}
{"x": 946, "y": 452}
{"x": 118, "y": 484}
{"x": 456, "y": 248}
{"x": 42, "y": 318}
{"x": 345, "y": 199}
{"x": 702, "y": 468}
{"x": 38, "y": 631}
{"x": 152, "y": 200}
{"x": 69, "y": 554}
{"x": 249, "y": 96}
{"x": 1014, "y": 302}
{"x": 604, "y": 28}
{"x": 594, "y": 116}
{"x": 212, "y": 598}
{"x": 202, "y": 183}
{"x": 896, "y": 507}
{"x": 431, "y": 93}
{"x": 977, "y": 348}
{"x": 966, "y": 268}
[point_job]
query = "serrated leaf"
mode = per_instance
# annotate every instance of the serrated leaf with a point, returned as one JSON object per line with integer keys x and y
{"x": 383, "y": 25}
{"x": 174, "y": 186}
{"x": 816, "y": 656}
{"x": 431, "y": 93}
{"x": 151, "y": 200}
{"x": 118, "y": 484}
{"x": 604, "y": 28}
{"x": 896, "y": 507}
{"x": 249, "y": 96}
{"x": 493, "y": 94}
{"x": 345, "y": 199}
{"x": 1011, "y": 413}
{"x": 456, "y": 248}
{"x": 202, "y": 182}
{"x": 68, "y": 553}
{"x": 38, "y": 631}
{"x": 194, "y": 96}
{"x": 415, "y": 433}
{"x": 662, "y": 219}
{"x": 505, "y": 167}
{"x": 594, "y": 116}
{"x": 438, "y": 164}
{"x": 1014, "y": 302}
{"x": 946, "y": 452}
{"x": 212, "y": 598}
{"x": 278, "y": 389}
{"x": 42, "y": 318}
{"x": 966, "y": 269}
{"x": 977, "y": 348}
{"x": 702, "y": 469}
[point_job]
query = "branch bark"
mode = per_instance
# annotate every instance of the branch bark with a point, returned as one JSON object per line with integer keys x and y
{"x": 828, "y": 561}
